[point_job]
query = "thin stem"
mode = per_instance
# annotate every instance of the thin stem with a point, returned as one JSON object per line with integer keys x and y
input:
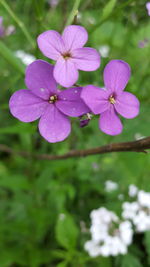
{"x": 8, "y": 55}
{"x": 133, "y": 146}
{"x": 73, "y": 13}
{"x": 19, "y": 22}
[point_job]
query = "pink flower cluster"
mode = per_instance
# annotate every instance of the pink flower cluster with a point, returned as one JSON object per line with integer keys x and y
{"x": 53, "y": 107}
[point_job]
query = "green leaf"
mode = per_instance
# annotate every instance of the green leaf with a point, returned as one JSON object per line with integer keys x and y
{"x": 38, "y": 257}
{"x": 66, "y": 231}
{"x": 8, "y": 55}
{"x": 130, "y": 260}
{"x": 108, "y": 9}
{"x": 59, "y": 254}
{"x": 147, "y": 243}
{"x": 14, "y": 182}
{"x": 10, "y": 255}
{"x": 62, "y": 264}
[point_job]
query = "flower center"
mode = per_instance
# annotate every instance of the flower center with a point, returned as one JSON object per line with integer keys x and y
{"x": 53, "y": 99}
{"x": 112, "y": 99}
{"x": 66, "y": 55}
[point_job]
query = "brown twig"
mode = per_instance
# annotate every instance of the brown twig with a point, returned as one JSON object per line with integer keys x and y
{"x": 134, "y": 146}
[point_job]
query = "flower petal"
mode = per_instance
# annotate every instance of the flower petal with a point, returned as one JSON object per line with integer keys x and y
{"x": 1, "y": 21}
{"x": 51, "y": 44}
{"x": 53, "y": 125}
{"x": 74, "y": 37}
{"x": 110, "y": 123}
{"x": 70, "y": 102}
{"x": 148, "y": 7}
{"x": 116, "y": 75}
{"x": 65, "y": 72}
{"x": 86, "y": 58}
{"x": 25, "y": 106}
{"x": 127, "y": 105}
{"x": 95, "y": 98}
{"x": 39, "y": 79}
{"x": 2, "y": 31}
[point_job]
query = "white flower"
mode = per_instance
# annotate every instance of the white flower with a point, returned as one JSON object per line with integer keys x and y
{"x": 144, "y": 198}
{"x": 109, "y": 236}
{"x": 117, "y": 246}
{"x": 126, "y": 232}
{"x": 142, "y": 221}
{"x": 105, "y": 250}
{"x": 26, "y": 58}
{"x": 129, "y": 209}
{"x": 99, "y": 232}
{"x": 133, "y": 190}
{"x": 110, "y": 186}
{"x": 92, "y": 248}
{"x": 101, "y": 218}
{"x": 104, "y": 50}
{"x": 113, "y": 246}
{"x": 138, "y": 211}
{"x": 103, "y": 215}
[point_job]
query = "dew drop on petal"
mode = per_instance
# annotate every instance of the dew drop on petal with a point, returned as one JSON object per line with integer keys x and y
{"x": 42, "y": 89}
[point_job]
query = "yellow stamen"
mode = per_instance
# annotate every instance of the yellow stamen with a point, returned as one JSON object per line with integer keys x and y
{"x": 66, "y": 55}
{"x": 112, "y": 100}
{"x": 52, "y": 99}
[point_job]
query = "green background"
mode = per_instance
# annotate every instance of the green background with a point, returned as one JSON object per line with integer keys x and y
{"x": 43, "y": 204}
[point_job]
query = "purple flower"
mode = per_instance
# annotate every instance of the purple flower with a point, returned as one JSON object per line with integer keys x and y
{"x": 84, "y": 123}
{"x": 43, "y": 100}
{"x": 53, "y": 3}
{"x": 113, "y": 99}
{"x": 2, "y": 31}
{"x": 143, "y": 43}
{"x": 69, "y": 53}
{"x": 85, "y": 119}
{"x": 148, "y": 7}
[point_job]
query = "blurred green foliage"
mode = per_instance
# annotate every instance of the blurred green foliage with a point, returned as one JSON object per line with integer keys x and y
{"x": 43, "y": 203}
